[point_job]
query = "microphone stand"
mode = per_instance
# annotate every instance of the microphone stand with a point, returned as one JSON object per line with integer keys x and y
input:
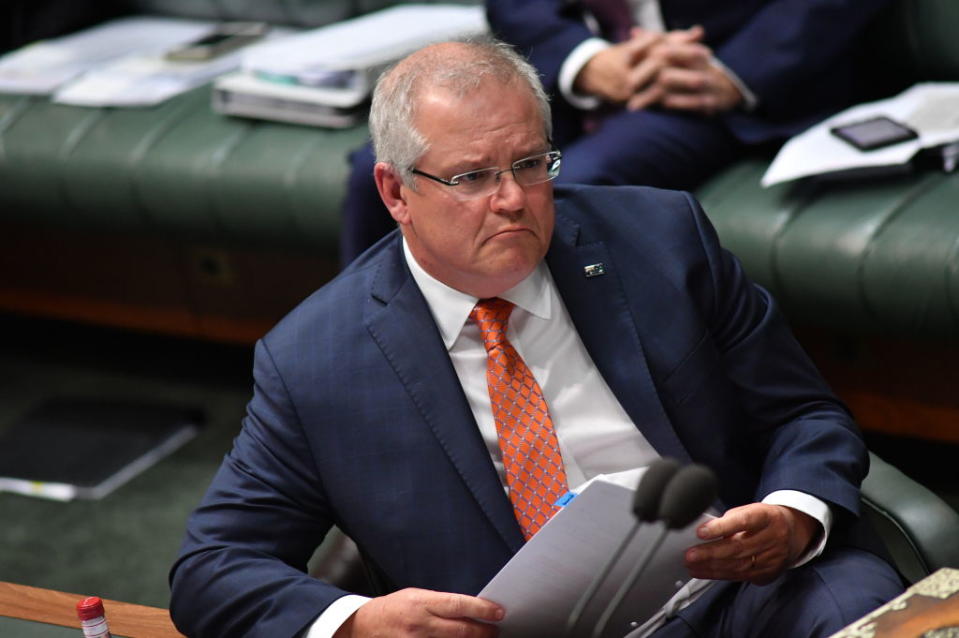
{"x": 631, "y": 579}
{"x": 598, "y": 580}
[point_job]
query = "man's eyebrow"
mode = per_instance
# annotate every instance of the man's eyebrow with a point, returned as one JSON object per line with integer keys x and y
{"x": 465, "y": 165}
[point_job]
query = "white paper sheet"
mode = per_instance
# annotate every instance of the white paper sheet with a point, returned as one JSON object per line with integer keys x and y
{"x": 353, "y": 47}
{"x": 42, "y": 67}
{"x": 148, "y": 79}
{"x": 541, "y": 584}
{"x": 932, "y": 109}
{"x": 142, "y": 80}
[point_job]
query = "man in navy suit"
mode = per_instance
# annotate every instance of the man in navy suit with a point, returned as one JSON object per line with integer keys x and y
{"x": 686, "y": 93}
{"x": 372, "y": 409}
{"x": 696, "y": 83}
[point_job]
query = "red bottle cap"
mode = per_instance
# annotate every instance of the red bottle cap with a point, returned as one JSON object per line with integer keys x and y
{"x": 90, "y": 608}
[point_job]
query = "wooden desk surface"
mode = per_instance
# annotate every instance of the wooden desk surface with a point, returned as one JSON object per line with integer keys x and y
{"x": 930, "y": 606}
{"x": 59, "y": 608}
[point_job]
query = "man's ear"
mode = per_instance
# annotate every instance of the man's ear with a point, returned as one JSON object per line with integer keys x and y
{"x": 391, "y": 188}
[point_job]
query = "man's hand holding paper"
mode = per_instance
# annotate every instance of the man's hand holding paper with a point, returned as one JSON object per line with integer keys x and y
{"x": 754, "y": 542}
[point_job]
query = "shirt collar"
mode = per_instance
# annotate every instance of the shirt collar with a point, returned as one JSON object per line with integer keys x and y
{"x": 451, "y": 308}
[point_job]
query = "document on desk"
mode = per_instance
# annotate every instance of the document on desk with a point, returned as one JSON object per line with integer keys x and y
{"x": 42, "y": 67}
{"x": 541, "y": 584}
{"x": 931, "y": 109}
{"x": 348, "y": 56}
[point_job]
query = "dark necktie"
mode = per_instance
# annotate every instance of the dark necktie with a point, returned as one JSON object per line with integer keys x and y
{"x": 614, "y": 17}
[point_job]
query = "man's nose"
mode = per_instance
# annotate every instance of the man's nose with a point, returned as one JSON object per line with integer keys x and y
{"x": 509, "y": 197}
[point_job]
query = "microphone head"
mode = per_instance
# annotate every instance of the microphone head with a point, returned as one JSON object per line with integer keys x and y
{"x": 649, "y": 492}
{"x": 687, "y": 496}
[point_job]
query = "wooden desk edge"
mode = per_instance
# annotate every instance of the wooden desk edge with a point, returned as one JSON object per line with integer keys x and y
{"x": 59, "y": 608}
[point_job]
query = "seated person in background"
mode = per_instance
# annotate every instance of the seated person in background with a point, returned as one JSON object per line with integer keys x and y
{"x": 379, "y": 402}
{"x": 670, "y": 101}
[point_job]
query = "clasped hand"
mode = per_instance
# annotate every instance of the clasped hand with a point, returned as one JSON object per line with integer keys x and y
{"x": 674, "y": 70}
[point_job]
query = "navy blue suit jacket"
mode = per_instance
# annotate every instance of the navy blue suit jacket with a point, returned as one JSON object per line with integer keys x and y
{"x": 797, "y": 56}
{"x": 358, "y": 419}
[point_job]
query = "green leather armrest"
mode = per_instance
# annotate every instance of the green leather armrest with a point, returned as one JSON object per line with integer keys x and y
{"x": 868, "y": 255}
{"x": 919, "y": 529}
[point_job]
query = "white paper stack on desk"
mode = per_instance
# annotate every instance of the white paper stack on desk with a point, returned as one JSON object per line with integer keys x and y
{"x": 324, "y": 77}
{"x": 43, "y": 67}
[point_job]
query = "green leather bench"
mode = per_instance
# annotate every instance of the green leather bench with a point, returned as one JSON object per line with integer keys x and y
{"x": 870, "y": 255}
{"x": 172, "y": 218}
{"x": 867, "y": 270}
{"x": 177, "y": 219}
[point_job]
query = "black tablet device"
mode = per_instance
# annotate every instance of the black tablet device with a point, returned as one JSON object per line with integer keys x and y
{"x": 876, "y": 132}
{"x": 225, "y": 38}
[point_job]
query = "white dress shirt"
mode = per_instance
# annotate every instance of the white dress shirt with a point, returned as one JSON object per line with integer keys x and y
{"x": 648, "y": 15}
{"x": 595, "y": 434}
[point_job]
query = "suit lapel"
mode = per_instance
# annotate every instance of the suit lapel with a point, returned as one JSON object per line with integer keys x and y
{"x": 603, "y": 317}
{"x": 400, "y": 323}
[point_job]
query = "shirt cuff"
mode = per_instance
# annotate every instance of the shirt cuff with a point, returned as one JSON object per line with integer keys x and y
{"x": 750, "y": 101}
{"x": 572, "y": 65}
{"x": 810, "y": 505}
{"x": 334, "y": 616}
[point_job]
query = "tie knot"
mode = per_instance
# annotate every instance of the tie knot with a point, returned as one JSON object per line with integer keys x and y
{"x": 492, "y": 317}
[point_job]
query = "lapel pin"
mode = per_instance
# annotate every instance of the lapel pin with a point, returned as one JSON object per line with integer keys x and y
{"x": 595, "y": 270}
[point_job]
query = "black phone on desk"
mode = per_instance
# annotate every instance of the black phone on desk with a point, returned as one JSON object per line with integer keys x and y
{"x": 226, "y": 37}
{"x": 873, "y": 133}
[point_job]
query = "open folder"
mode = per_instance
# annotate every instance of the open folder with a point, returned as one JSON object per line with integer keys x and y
{"x": 542, "y": 583}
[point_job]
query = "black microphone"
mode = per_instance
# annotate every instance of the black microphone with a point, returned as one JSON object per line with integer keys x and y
{"x": 646, "y": 505}
{"x": 687, "y": 495}
{"x": 649, "y": 492}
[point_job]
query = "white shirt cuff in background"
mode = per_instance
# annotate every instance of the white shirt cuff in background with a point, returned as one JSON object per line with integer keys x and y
{"x": 334, "y": 616}
{"x": 750, "y": 101}
{"x": 572, "y": 65}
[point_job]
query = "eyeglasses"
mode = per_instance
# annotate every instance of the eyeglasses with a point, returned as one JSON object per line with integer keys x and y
{"x": 528, "y": 171}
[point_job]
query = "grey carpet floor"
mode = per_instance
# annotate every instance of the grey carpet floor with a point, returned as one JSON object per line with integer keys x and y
{"x": 122, "y": 545}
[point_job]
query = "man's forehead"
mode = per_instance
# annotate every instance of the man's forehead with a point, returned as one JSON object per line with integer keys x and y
{"x": 444, "y": 93}
{"x": 440, "y": 106}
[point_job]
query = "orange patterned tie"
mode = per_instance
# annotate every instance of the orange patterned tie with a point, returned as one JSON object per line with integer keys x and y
{"x": 531, "y": 457}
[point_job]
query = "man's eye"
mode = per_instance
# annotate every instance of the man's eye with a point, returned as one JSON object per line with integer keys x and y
{"x": 472, "y": 178}
{"x": 527, "y": 164}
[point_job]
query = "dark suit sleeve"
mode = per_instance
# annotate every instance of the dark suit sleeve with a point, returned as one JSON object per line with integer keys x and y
{"x": 241, "y": 570}
{"x": 805, "y": 437}
{"x": 545, "y": 31}
{"x": 786, "y": 47}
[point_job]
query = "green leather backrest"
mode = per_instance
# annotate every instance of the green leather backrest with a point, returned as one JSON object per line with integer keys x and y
{"x": 915, "y": 40}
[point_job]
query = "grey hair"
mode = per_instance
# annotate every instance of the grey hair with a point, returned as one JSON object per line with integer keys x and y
{"x": 396, "y": 140}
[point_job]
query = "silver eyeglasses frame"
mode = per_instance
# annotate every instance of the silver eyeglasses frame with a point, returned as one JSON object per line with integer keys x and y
{"x": 490, "y": 177}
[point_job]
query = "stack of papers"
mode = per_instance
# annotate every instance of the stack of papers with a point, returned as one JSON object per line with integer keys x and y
{"x": 43, "y": 67}
{"x": 931, "y": 109}
{"x": 542, "y": 582}
{"x": 325, "y": 76}
{"x": 143, "y": 80}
